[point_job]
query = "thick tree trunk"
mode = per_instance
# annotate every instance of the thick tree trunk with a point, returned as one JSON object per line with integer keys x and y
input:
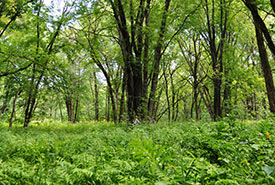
{"x": 216, "y": 51}
{"x": 134, "y": 43}
{"x": 133, "y": 68}
{"x": 157, "y": 59}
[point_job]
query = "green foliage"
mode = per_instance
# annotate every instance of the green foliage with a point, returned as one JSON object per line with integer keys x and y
{"x": 226, "y": 152}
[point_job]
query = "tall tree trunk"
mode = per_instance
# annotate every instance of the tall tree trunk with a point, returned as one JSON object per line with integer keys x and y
{"x": 177, "y": 109}
{"x": 13, "y": 106}
{"x": 154, "y": 118}
{"x": 114, "y": 107}
{"x": 75, "y": 116}
{"x": 107, "y": 108}
{"x": 196, "y": 103}
{"x": 266, "y": 69}
{"x": 122, "y": 98}
{"x": 31, "y": 91}
{"x": 227, "y": 94}
{"x": 167, "y": 97}
{"x": 61, "y": 115}
{"x": 146, "y": 56}
{"x": 216, "y": 51}
{"x": 108, "y": 79}
{"x": 157, "y": 59}
{"x": 207, "y": 101}
{"x": 196, "y": 82}
{"x": 259, "y": 23}
{"x": 6, "y": 99}
{"x": 70, "y": 107}
{"x": 28, "y": 112}
{"x": 96, "y": 96}
{"x": 35, "y": 83}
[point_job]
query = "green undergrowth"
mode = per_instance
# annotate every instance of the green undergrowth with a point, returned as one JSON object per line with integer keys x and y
{"x": 226, "y": 152}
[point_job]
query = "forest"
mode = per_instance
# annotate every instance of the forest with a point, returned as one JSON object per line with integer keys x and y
{"x": 137, "y": 92}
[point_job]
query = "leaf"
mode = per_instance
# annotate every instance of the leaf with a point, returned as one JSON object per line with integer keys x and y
{"x": 255, "y": 146}
{"x": 268, "y": 170}
{"x": 226, "y": 160}
{"x": 162, "y": 183}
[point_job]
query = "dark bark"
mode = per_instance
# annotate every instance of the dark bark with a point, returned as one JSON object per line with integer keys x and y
{"x": 266, "y": 70}
{"x": 177, "y": 111}
{"x": 173, "y": 99}
{"x": 146, "y": 54}
{"x": 30, "y": 99}
{"x": 272, "y": 2}
{"x": 216, "y": 51}
{"x": 157, "y": 59}
{"x": 107, "y": 77}
{"x": 255, "y": 105}
{"x": 194, "y": 70}
{"x": 159, "y": 115}
{"x": 76, "y": 111}
{"x": 16, "y": 71}
{"x": 155, "y": 113}
{"x": 96, "y": 96}
{"x": 167, "y": 97}
{"x": 196, "y": 81}
{"x": 14, "y": 104}
{"x": 259, "y": 23}
{"x": 126, "y": 48}
{"x": 32, "y": 91}
{"x": 122, "y": 98}
{"x": 191, "y": 109}
{"x": 18, "y": 11}
{"x": 70, "y": 107}
{"x": 133, "y": 65}
{"x": 107, "y": 108}
{"x": 6, "y": 99}
{"x": 207, "y": 100}
{"x": 134, "y": 43}
{"x": 35, "y": 82}
{"x": 261, "y": 30}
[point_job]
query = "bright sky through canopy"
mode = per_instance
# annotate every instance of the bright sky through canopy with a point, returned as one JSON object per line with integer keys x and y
{"x": 57, "y": 4}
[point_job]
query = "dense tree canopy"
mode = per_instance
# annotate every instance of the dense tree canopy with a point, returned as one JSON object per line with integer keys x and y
{"x": 136, "y": 60}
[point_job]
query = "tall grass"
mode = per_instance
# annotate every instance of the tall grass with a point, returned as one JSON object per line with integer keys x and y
{"x": 227, "y": 152}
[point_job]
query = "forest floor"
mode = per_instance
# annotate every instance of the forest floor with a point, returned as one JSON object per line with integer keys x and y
{"x": 226, "y": 152}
